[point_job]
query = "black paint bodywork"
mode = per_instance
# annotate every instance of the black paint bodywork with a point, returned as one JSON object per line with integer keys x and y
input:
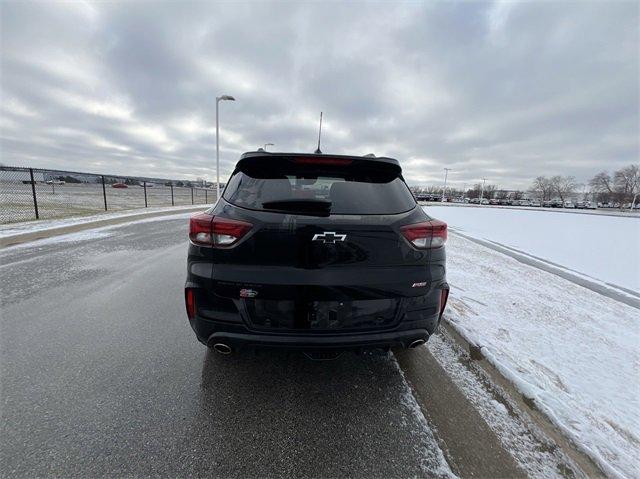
{"x": 356, "y": 294}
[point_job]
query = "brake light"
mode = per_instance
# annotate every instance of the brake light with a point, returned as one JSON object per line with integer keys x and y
{"x": 323, "y": 161}
{"x": 215, "y": 231}
{"x": 200, "y": 229}
{"x": 190, "y": 301}
{"x": 429, "y": 234}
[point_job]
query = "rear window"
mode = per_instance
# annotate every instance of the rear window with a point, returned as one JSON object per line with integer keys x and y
{"x": 349, "y": 191}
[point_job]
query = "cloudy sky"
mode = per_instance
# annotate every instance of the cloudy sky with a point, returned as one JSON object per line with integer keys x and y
{"x": 503, "y": 90}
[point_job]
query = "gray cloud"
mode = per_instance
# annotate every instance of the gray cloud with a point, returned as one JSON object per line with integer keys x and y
{"x": 503, "y": 90}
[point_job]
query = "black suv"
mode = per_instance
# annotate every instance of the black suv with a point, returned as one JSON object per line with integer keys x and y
{"x": 315, "y": 252}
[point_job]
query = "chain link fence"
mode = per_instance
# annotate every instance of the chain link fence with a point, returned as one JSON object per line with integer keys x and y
{"x": 35, "y": 193}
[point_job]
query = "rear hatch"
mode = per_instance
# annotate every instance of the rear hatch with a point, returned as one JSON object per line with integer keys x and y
{"x": 324, "y": 252}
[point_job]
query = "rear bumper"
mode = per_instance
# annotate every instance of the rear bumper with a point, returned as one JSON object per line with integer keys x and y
{"x": 225, "y": 322}
{"x": 238, "y": 336}
{"x": 349, "y": 342}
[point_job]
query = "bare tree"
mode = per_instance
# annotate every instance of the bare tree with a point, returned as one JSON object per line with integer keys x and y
{"x": 602, "y": 185}
{"x": 542, "y": 187}
{"x": 474, "y": 191}
{"x": 563, "y": 186}
{"x": 623, "y": 187}
{"x": 489, "y": 191}
{"x": 627, "y": 183}
{"x": 501, "y": 195}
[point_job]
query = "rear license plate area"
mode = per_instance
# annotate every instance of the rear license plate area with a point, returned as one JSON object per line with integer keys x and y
{"x": 322, "y": 315}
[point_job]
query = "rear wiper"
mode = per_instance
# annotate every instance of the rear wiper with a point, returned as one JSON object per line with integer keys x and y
{"x": 301, "y": 206}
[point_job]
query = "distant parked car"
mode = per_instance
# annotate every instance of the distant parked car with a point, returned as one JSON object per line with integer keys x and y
{"x": 55, "y": 182}
{"x": 428, "y": 198}
{"x": 590, "y": 206}
{"x": 535, "y": 203}
{"x": 568, "y": 204}
{"x": 119, "y": 185}
{"x": 484, "y": 201}
{"x": 494, "y": 202}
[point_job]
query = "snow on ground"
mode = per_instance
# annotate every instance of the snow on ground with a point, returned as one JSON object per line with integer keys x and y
{"x": 603, "y": 247}
{"x": 534, "y": 452}
{"x": 574, "y": 351}
{"x": 97, "y": 233}
{"x": 32, "y": 226}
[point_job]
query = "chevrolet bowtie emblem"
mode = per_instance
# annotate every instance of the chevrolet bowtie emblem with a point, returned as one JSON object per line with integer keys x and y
{"x": 329, "y": 237}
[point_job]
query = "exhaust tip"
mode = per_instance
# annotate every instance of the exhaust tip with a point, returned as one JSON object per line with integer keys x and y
{"x": 222, "y": 348}
{"x": 416, "y": 343}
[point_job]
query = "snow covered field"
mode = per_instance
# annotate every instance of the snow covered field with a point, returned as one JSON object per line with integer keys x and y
{"x": 575, "y": 352}
{"x": 606, "y": 248}
{"x": 71, "y": 199}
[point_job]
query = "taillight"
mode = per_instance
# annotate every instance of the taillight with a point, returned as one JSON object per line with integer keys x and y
{"x": 429, "y": 234}
{"x": 444, "y": 295}
{"x": 215, "y": 231}
{"x": 200, "y": 229}
{"x": 190, "y": 301}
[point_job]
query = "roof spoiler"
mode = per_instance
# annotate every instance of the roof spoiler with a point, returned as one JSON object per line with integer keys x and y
{"x": 264, "y": 158}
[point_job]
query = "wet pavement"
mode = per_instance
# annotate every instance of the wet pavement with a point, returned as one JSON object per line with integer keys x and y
{"x": 102, "y": 376}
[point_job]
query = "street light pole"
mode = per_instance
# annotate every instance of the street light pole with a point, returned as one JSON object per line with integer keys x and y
{"x": 446, "y": 172}
{"x": 218, "y": 100}
{"x": 217, "y": 151}
{"x": 482, "y": 190}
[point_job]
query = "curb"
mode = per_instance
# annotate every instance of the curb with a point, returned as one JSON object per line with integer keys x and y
{"x": 526, "y": 404}
{"x": 63, "y": 230}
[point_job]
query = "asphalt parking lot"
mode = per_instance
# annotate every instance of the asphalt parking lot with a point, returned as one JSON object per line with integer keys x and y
{"x": 102, "y": 376}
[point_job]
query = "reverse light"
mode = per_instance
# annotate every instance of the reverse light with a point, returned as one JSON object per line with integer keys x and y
{"x": 429, "y": 234}
{"x": 190, "y": 301}
{"x": 215, "y": 231}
